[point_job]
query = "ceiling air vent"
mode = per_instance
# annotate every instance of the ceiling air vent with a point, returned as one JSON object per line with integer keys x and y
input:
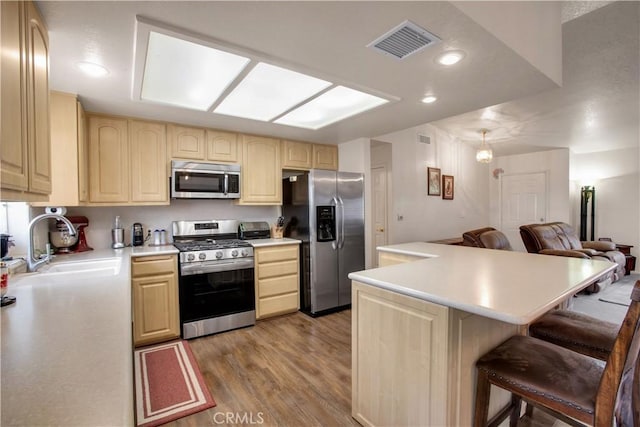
{"x": 404, "y": 40}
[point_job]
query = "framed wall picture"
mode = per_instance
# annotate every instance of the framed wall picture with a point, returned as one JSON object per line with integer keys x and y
{"x": 447, "y": 187}
{"x": 433, "y": 181}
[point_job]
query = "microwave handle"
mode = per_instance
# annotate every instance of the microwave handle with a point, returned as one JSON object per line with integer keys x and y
{"x": 226, "y": 184}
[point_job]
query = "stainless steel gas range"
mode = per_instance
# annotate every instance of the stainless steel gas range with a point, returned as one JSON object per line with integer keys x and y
{"x": 217, "y": 291}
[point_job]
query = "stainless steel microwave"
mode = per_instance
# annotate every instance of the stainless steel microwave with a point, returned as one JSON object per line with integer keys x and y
{"x": 199, "y": 180}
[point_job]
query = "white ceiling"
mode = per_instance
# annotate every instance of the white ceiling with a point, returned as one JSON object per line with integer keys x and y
{"x": 328, "y": 39}
{"x": 597, "y": 107}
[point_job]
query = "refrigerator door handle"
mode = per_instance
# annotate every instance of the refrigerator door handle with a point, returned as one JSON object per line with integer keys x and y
{"x": 336, "y": 243}
{"x": 341, "y": 241}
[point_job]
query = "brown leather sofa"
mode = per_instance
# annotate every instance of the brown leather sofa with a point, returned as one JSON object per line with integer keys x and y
{"x": 559, "y": 238}
{"x": 487, "y": 237}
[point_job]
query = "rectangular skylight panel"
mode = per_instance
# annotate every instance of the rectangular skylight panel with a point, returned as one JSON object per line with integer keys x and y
{"x": 187, "y": 74}
{"x": 268, "y": 91}
{"x": 332, "y": 106}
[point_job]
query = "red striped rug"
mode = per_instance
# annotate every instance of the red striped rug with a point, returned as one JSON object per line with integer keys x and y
{"x": 169, "y": 384}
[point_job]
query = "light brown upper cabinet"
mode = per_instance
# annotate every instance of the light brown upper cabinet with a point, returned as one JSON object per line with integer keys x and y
{"x": 222, "y": 146}
{"x": 325, "y": 156}
{"x": 186, "y": 142}
{"x": 108, "y": 160}
{"x": 297, "y": 155}
{"x": 148, "y": 148}
{"x": 25, "y": 156}
{"x": 127, "y": 162}
{"x": 68, "y": 137}
{"x": 261, "y": 171}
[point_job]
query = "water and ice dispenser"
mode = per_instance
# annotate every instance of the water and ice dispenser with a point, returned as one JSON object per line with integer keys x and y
{"x": 326, "y": 223}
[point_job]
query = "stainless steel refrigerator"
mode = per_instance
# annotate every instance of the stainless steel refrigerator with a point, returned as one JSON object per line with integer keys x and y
{"x": 325, "y": 209}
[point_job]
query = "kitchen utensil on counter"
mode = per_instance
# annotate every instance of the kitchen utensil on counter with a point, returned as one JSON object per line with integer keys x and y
{"x": 137, "y": 234}
{"x": 5, "y": 244}
{"x": 117, "y": 234}
{"x": 64, "y": 243}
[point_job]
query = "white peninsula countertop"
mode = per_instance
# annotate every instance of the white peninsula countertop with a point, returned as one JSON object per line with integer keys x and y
{"x": 261, "y": 243}
{"x": 509, "y": 286}
{"x": 67, "y": 348}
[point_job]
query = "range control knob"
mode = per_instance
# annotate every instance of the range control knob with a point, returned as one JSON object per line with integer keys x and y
{"x": 218, "y": 254}
{"x": 202, "y": 256}
{"x": 245, "y": 252}
{"x": 234, "y": 253}
{"x": 191, "y": 257}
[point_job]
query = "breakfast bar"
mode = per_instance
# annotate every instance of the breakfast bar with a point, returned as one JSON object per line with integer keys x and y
{"x": 421, "y": 320}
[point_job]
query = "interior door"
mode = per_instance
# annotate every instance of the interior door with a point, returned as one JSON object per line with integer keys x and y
{"x": 523, "y": 200}
{"x": 379, "y": 208}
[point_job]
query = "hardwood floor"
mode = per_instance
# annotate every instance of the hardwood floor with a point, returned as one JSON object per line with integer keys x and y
{"x": 291, "y": 370}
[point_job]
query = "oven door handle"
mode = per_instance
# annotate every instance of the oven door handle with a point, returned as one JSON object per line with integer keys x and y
{"x": 204, "y": 267}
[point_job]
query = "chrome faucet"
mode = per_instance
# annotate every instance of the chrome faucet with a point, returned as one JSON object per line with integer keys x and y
{"x": 32, "y": 262}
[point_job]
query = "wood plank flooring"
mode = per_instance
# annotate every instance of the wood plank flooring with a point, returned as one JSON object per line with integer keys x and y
{"x": 291, "y": 370}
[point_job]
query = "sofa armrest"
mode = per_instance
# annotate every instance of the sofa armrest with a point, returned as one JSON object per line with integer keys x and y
{"x": 590, "y": 252}
{"x": 563, "y": 252}
{"x": 599, "y": 246}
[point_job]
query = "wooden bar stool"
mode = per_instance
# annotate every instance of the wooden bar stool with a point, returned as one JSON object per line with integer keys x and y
{"x": 574, "y": 388}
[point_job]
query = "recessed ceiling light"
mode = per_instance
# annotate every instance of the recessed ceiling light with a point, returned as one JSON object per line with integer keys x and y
{"x": 429, "y": 99}
{"x": 268, "y": 91}
{"x": 92, "y": 69}
{"x": 451, "y": 57}
{"x": 187, "y": 74}
{"x": 332, "y": 106}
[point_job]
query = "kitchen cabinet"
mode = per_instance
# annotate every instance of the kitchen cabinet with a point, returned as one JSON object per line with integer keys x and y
{"x": 261, "y": 171}
{"x": 154, "y": 287}
{"x": 297, "y": 155}
{"x": 148, "y": 157}
{"x": 186, "y": 142}
{"x": 277, "y": 278}
{"x": 68, "y": 136}
{"x": 222, "y": 146}
{"x": 127, "y": 162}
{"x": 325, "y": 157}
{"x": 108, "y": 159}
{"x": 25, "y": 152}
{"x": 306, "y": 156}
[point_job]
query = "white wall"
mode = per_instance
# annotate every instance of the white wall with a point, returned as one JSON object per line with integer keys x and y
{"x": 532, "y": 29}
{"x": 419, "y": 217}
{"x": 615, "y": 175}
{"x": 556, "y": 164}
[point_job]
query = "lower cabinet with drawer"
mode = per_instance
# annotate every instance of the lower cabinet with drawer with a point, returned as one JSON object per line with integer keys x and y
{"x": 154, "y": 288}
{"x": 277, "y": 277}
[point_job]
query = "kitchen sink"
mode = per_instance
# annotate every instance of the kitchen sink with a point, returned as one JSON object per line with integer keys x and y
{"x": 105, "y": 265}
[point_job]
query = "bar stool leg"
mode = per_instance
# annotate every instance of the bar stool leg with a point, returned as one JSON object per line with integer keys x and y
{"x": 483, "y": 390}
{"x": 515, "y": 412}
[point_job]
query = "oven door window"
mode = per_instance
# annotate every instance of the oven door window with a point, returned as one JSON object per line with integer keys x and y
{"x": 197, "y": 182}
{"x": 216, "y": 294}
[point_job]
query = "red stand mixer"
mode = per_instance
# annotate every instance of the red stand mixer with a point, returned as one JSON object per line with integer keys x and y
{"x": 65, "y": 244}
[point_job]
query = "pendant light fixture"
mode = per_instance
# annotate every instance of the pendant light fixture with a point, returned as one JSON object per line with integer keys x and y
{"x": 484, "y": 153}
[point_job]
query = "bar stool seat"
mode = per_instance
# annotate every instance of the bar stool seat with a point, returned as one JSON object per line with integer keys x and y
{"x": 577, "y": 332}
{"x": 536, "y": 369}
{"x": 573, "y": 387}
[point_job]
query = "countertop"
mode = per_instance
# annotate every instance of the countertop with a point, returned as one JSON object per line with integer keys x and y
{"x": 260, "y": 243}
{"x": 66, "y": 344}
{"x": 509, "y": 286}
